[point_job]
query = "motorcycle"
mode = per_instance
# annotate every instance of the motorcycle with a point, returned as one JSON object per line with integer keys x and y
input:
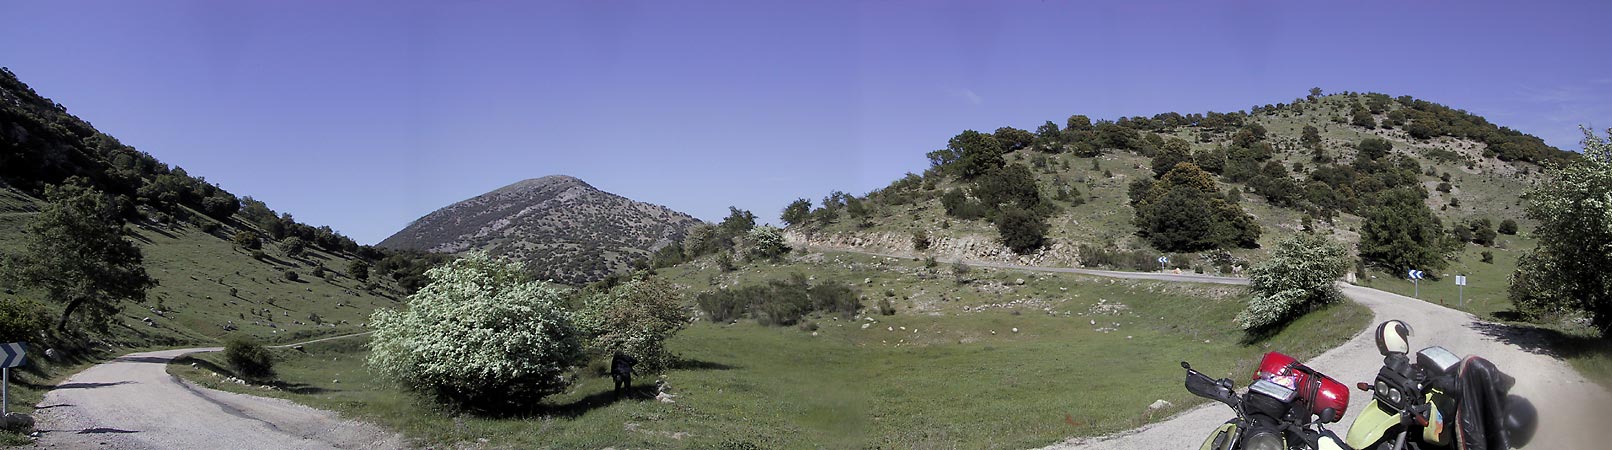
{"x": 1286, "y": 407}
{"x": 1437, "y": 401}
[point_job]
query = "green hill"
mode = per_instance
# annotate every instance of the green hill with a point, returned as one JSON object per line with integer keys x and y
{"x": 208, "y": 288}
{"x": 1468, "y": 168}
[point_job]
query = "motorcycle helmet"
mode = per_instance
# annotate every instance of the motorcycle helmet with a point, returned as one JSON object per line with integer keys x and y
{"x": 1393, "y": 337}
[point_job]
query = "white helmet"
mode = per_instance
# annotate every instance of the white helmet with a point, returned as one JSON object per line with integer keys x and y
{"x": 1393, "y": 337}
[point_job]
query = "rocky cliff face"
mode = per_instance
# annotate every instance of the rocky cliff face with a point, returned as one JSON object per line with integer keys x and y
{"x": 975, "y": 248}
{"x": 563, "y": 227}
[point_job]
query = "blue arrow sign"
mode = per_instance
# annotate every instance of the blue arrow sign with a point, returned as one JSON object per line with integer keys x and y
{"x": 1416, "y": 274}
{"x": 1164, "y": 260}
{"x": 13, "y": 354}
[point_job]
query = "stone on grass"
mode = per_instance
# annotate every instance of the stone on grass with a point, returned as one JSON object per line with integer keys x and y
{"x": 1160, "y": 404}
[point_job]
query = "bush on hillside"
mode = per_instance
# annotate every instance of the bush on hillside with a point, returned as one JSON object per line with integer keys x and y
{"x": 249, "y": 359}
{"x": 453, "y": 341}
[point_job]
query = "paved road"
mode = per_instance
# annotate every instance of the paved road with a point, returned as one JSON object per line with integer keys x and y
{"x": 1572, "y": 409}
{"x": 133, "y": 403}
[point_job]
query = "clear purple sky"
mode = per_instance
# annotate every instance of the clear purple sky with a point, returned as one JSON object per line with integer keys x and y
{"x": 364, "y": 116}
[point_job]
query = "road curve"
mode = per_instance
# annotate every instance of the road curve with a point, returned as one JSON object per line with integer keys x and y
{"x": 133, "y": 403}
{"x": 1572, "y": 410}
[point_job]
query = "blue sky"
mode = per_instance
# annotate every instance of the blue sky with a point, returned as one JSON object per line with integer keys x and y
{"x": 366, "y": 115}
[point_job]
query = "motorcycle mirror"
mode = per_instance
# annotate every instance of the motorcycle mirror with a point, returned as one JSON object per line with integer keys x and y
{"x": 1184, "y": 365}
{"x": 1364, "y": 386}
{"x": 1329, "y": 415}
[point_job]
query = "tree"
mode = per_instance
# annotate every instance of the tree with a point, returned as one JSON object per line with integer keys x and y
{"x": 1311, "y": 136}
{"x": 1078, "y": 122}
{"x": 1374, "y": 148}
{"x": 1013, "y": 138}
{"x": 358, "y": 269}
{"x": 249, "y": 359}
{"x": 737, "y": 223}
{"x": 1013, "y": 184}
{"x": 1185, "y": 212}
{"x": 1361, "y": 117}
{"x": 635, "y": 318}
{"x": 293, "y": 246}
{"x": 76, "y": 253}
{"x": 1048, "y": 132}
{"x": 1174, "y": 151}
{"x": 1315, "y": 93}
{"x": 1022, "y": 231}
{"x": 1567, "y": 272}
{"x": 969, "y": 154}
{"x": 1297, "y": 278}
{"x": 797, "y": 212}
{"x": 1402, "y": 234}
{"x": 481, "y": 334}
{"x": 247, "y": 240}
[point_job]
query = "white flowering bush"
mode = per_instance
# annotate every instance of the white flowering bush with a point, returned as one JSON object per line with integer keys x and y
{"x": 635, "y": 318}
{"x": 480, "y": 335}
{"x": 765, "y": 242}
{"x": 1297, "y": 278}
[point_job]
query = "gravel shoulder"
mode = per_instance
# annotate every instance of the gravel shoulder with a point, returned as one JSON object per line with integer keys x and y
{"x": 133, "y": 403}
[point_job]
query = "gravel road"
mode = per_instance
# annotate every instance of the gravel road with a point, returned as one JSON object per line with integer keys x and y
{"x": 1571, "y": 408}
{"x": 133, "y": 403}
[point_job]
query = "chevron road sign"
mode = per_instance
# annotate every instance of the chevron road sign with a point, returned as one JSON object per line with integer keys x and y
{"x": 1416, "y": 278}
{"x": 11, "y": 355}
{"x": 1416, "y": 274}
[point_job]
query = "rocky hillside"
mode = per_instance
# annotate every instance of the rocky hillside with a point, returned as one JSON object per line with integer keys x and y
{"x": 568, "y": 230}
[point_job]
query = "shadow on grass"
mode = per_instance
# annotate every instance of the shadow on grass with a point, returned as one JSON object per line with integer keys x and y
{"x": 695, "y": 364}
{"x": 640, "y": 392}
{"x": 1546, "y": 341}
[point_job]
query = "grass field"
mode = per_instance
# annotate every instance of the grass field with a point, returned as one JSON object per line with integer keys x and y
{"x": 946, "y": 371}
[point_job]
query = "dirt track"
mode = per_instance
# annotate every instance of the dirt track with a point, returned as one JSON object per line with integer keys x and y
{"x": 133, "y": 403}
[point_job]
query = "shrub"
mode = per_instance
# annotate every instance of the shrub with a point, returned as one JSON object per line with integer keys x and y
{"x": 247, "y": 240}
{"x": 1298, "y": 277}
{"x": 930, "y": 262}
{"x": 961, "y": 271}
{"x": 209, "y": 227}
{"x": 886, "y": 308}
{"x": 1020, "y": 230}
{"x": 920, "y": 240}
{"x": 765, "y": 242}
{"x": 319, "y": 271}
{"x": 249, "y": 359}
{"x": 259, "y": 255}
{"x": 22, "y": 319}
{"x": 1508, "y": 227}
{"x": 1487, "y": 256}
{"x": 291, "y": 275}
{"x": 454, "y": 340}
{"x": 724, "y": 261}
{"x": 636, "y": 318}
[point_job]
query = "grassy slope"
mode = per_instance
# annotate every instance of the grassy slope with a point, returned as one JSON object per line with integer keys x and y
{"x": 944, "y": 381}
{"x": 195, "y": 271}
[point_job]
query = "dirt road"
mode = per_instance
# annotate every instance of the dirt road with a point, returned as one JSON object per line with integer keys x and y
{"x": 1572, "y": 410}
{"x": 133, "y": 403}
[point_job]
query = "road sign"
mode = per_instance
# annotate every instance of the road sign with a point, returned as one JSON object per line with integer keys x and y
{"x": 12, "y": 355}
{"x": 1460, "y": 280}
{"x": 1416, "y": 274}
{"x": 1460, "y": 283}
{"x": 1164, "y": 260}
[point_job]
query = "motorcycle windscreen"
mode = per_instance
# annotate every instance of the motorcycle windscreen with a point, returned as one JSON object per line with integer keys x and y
{"x": 1370, "y": 427}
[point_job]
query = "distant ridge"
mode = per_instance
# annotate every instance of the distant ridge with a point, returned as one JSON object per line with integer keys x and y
{"x": 567, "y": 229}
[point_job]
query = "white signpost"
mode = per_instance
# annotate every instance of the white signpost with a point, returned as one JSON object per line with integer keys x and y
{"x": 11, "y": 355}
{"x": 1164, "y": 262}
{"x": 1460, "y": 283}
{"x": 1416, "y": 279}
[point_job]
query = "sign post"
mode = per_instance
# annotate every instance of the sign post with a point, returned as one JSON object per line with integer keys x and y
{"x": 1416, "y": 279}
{"x": 11, "y": 355}
{"x": 1460, "y": 283}
{"x": 1164, "y": 262}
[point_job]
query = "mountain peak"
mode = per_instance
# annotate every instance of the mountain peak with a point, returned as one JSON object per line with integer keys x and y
{"x": 565, "y": 228}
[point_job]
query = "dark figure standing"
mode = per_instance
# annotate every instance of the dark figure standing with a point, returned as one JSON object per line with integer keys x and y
{"x": 621, "y": 370}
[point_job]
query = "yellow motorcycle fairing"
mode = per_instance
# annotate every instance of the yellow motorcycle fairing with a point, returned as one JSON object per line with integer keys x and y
{"x": 1435, "y": 432}
{"x": 1373, "y": 423}
{"x": 1222, "y": 438}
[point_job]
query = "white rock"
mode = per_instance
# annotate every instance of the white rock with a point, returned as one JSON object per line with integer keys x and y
{"x": 1160, "y": 404}
{"x": 889, "y": 328}
{"x": 1015, "y": 330}
{"x": 866, "y": 325}
{"x": 814, "y": 333}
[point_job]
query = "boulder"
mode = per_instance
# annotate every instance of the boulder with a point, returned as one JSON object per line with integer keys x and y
{"x": 1158, "y": 405}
